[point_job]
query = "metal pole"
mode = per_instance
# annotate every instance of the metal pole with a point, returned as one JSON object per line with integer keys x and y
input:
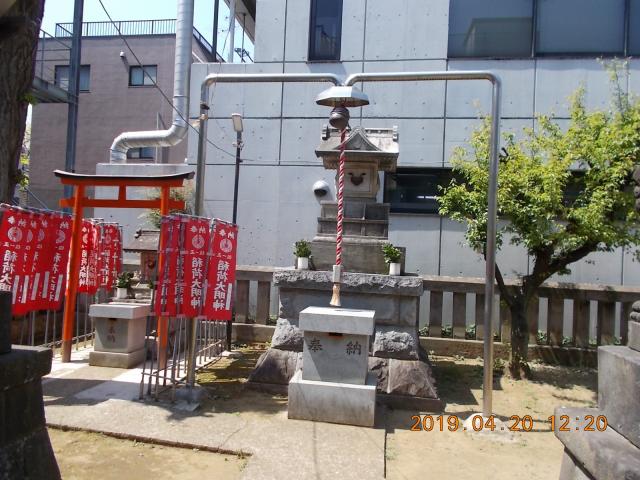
{"x": 74, "y": 89}
{"x": 487, "y": 384}
{"x": 214, "y": 39}
{"x": 232, "y": 29}
{"x": 237, "y": 177}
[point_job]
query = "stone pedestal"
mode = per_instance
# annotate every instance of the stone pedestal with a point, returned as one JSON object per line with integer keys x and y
{"x": 333, "y": 385}
{"x": 120, "y": 334}
{"x": 25, "y": 449}
{"x": 400, "y": 367}
{"x": 615, "y": 452}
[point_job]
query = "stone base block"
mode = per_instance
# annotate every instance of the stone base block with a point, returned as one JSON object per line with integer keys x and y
{"x": 117, "y": 360}
{"x": 362, "y": 255}
{"x": 332, "y": 402}
{"x": 619, "y": 390}
{"x": 605, "y": 455}
{"x": 634, "y": 336}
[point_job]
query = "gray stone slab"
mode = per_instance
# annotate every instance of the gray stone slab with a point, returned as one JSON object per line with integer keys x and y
{"x": 351, "y": 282}
{"x": 619, "y": 390}
{"x": 335, "y": 358}
{"x": 24, "y": 364}
{"x": 634, "y": 336}
{"x": 605, "y": 455}
{"x": 286, "y": 336}
{"x": 119, "y": 335}
{"x": 119, "y": 310}
{"x": 395, "y": 342}
{"x": 333, "y": 402}
{"x": 337, "y": 320}
{"x": 390, "y": 309}
{"x": 117, "y": 360}
{"x": 570, "y": 470}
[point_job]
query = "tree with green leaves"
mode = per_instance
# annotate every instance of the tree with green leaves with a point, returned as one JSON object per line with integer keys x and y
{"x": 597, "y": 153}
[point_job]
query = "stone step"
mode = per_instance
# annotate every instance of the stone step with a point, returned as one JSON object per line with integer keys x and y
{"x": 619, "y": 390}
{"x": 603, "y": 455}
{"x": 359, "y": 254}
{"x": 355, "y": 209}
{"x": 634, "y": 336}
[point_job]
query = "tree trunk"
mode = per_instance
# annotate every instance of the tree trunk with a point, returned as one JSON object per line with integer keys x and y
{"x": 518, "y": 365}
{"x": 19, "y": 28}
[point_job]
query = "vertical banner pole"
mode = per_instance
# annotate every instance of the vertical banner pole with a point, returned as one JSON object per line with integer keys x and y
{"x": 72, "y": 277}
{"x": 162, "y": 321}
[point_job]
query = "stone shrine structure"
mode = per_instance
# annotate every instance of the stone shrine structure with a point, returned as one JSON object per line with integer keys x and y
{"x": 399, "y": 365}
{"x": 366, "y": 221}
{"x": 25, "y": 448}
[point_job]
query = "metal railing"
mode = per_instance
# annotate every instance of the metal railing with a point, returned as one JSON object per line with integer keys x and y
{"x": 51, "y": 51}
{"x": 565, "y": 314}
{"x": 131, "y": 28}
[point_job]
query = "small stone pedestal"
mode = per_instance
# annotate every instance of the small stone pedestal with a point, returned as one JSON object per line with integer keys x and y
{"x": 120, "y": 334}
{"x": 614, "y": 452}
{"x": 333, "y": 385}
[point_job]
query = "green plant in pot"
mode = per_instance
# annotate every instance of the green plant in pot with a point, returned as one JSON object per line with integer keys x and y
{"x": 302, "y": 251}
{"x": 123, "y": 284}
{"x": 392, "y": 256}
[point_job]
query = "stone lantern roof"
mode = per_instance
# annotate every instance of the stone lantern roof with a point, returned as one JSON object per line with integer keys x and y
{"x": 378, "y": 145}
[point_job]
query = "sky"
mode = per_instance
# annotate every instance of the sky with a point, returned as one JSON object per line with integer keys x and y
{"x": 61, "y": 11}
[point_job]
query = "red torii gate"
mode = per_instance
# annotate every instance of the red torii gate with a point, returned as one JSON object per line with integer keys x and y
{"x": 79, "y": 202}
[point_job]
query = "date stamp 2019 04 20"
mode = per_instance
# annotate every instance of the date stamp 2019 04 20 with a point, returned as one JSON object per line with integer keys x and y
{"x": 516, "y": 423}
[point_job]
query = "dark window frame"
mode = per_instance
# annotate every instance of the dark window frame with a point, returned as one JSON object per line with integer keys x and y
{"x": 311, "y": 50}
{"x": 144, "y": 75}
{"x": 56, "y": 81}
{"x": 625, "y": 31}
{"x": 428, "y": 208}
{"x": 140, "y": 151}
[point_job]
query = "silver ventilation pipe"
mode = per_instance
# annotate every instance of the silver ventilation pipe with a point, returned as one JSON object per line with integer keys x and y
{"x": 181, "y": 77}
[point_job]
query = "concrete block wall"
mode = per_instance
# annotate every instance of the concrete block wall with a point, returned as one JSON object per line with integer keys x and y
{"x": 282, "y": 128}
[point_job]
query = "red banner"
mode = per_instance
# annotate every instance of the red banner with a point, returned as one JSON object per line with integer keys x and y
{"x": 28, "y": 254}
{"x": 222, "y": 271}
{"x": 110, "y": 255}
{"x": 167, "y": 284}
{"x": 56, "y": 274}
{"x": 194, "y": 263}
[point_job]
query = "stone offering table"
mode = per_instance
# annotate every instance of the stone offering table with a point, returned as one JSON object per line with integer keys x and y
{"x": 120, "y": 334}
{"x": 615, "y": 452}
{"x": 334, "y": 385}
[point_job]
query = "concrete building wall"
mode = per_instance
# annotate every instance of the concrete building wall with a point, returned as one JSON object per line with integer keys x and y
{"x": 109, "y": 108}
{"x": 283, "y": 124}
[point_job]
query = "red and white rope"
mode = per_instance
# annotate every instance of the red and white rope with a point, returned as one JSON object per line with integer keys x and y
{"x": 340, "y": 217}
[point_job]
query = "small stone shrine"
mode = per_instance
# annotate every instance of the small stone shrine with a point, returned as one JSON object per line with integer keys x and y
{"x": 334, "y": 385}
{"x": 366, "y": 222}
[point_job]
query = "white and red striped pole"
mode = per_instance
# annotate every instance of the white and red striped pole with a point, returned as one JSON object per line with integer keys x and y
{"x": 337, "y": 268}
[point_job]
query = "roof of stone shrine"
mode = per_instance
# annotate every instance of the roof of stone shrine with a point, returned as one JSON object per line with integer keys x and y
{"x": 363, "y": 144}
{"x": 144, "y": 241}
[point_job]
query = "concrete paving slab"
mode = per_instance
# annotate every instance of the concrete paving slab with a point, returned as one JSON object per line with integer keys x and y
{"x": 96, "y": 399}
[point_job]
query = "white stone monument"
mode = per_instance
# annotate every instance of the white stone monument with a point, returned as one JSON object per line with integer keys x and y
{"x": 120, "y": 334}
{"x": 333, "y": 384}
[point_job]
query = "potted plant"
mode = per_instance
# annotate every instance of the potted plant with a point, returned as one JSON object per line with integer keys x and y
{"x": 123, "y": 284}
{"x": 392, "y": 257}
{"x": 302, "y": 251}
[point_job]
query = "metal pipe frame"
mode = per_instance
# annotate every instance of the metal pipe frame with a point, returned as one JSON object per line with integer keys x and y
{"x": 494, "y": 143}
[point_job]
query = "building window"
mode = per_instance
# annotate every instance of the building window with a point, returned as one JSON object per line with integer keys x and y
{"x": 490, "y": 28}
{"x": 62, "y": 77}
{"x": 142, "y": 153}
{"x": 634, "y": 27}
{"x": 580, "y": 26}
{"x": 325, "y": 30}
{"x": 142, "y": 75}
{"x": 415, "y": 190}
